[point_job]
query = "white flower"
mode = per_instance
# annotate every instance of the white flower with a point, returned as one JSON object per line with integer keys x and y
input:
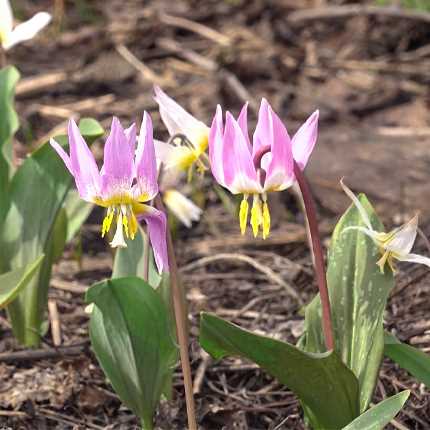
{"x": 182, "y": 207}
{"x": 10, "y": 36}
{"x": 397, "y": 244}
{"x": 180, "y": 123}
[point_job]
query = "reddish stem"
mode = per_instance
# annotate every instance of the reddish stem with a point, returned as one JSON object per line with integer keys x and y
{"x": 318, "y": 254}
{"x": 181, "y": 325}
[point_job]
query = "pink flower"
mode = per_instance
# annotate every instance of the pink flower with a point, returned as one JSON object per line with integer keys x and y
{"x": 261, "y": 167}
{"x": 126, "y": 181}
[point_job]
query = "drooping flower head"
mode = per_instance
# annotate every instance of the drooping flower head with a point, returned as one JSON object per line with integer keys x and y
{"x": 394, "y": 245}
{"x": 257, "y": 168}
{"x": 189, "y": 136}
{"x": 10, "y": 36}
{"x": 125, "y": 184}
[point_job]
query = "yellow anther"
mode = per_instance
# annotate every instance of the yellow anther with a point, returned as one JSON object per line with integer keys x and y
{"x": 125, "y": 224}
{"x": 243, "y": 213}
{"x": 266, "y": 220}
{"x": 256, "y": 215}
{"x": 133, "y": 225}
{"x": 107, "y": 221}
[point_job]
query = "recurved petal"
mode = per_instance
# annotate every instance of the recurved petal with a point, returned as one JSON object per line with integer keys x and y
{"x": 403, "y": 238}
{"x": 367, "y": 231}
{"x": 358, "y": 205}
{"x": 280, "y": 169}
{"x": 240, "y": 175}
{"x": 156, "y": 222}
{"x": 28, "y": 29}
{"x": 304, "y": 140}
{"x": 63, "y": 154}
{"x": 216, "y": 146}
{"x": 175, "y": 118}
{"x": 415, "y": 258}
{"x": 118, "y": 167}
{"x": 146, "y": 164}
{"x": 82, "y": 164}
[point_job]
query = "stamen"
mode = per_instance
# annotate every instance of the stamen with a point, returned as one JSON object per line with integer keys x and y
{"x": 381, "y": 262}
{"x": 266, "y": 217}
{"x": 256, "y": 214}
{"x": 107, "y": 221}
{"x": 243, "y": 213}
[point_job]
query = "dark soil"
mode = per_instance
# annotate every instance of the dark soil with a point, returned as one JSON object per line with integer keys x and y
{"x": 368, "y": 74}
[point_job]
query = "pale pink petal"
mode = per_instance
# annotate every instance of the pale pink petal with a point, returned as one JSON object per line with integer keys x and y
{"x": 216, "y": 146}
{"x": 83, "y": 164}
{"x": 240, "y": 175}
{"x": 280, "y": 170}
{"x": 130, "y": 134}
{"x": 157, "y": 225}
{"x": 118, "y": 167}
{"x": 263, "y": 134}
{"x": 146, "y": 164}
{"x": 242, "y": 120}
{"x": 28, "y": 29}
{"x": 63, "y": 154}
{"x": 404, "y": 237}
{"x": 414, "y": 258}
{"x": 304, "y": 140}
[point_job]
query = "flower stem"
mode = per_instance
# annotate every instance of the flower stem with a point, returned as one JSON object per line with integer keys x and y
{"x": 181, "y": 325}
{"x": 3, "y": 61}
{"x": 146, "y": 257}
{"x": 318, "y": 255}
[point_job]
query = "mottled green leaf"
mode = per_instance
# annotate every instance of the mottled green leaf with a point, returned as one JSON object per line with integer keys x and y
{"x": 358, "y": 295}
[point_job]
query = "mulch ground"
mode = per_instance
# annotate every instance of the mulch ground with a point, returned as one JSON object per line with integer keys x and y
{"x": 368, "y": 71}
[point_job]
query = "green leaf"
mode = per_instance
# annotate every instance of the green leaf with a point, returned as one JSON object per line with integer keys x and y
{"x": 327, "y": 387}
{"x": 77, "y": 211}
{"x": 130, "y": 261}
{"x": 358, "y": 296}
{"x": 416, "y": 362}
{"x": 37, "y": 193}
{"x": 132, "y": 339}
{"x": 377, "y": 417}
{"x": 9, "y": 76}
{"x": 11, "y": 283}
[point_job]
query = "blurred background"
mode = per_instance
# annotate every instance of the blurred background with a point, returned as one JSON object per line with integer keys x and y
{"x": 364, "y": 65}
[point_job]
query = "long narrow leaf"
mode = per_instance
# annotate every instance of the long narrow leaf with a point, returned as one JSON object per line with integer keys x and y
{"x": 327, "y": 387}
{"x": 416, "y": 362}
{"x": 377, "y": 417}
{"x": 9, "y": 76}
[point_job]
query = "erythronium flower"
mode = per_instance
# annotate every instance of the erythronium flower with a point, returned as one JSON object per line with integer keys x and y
{"x": 124, "y": 185}
{"x": 191, "y": 134}
{"x": 261, "y": 167}
{"x": 395, "y": 245}
{"x": 10, "y": 36}
{"x": 182, "y": 207}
